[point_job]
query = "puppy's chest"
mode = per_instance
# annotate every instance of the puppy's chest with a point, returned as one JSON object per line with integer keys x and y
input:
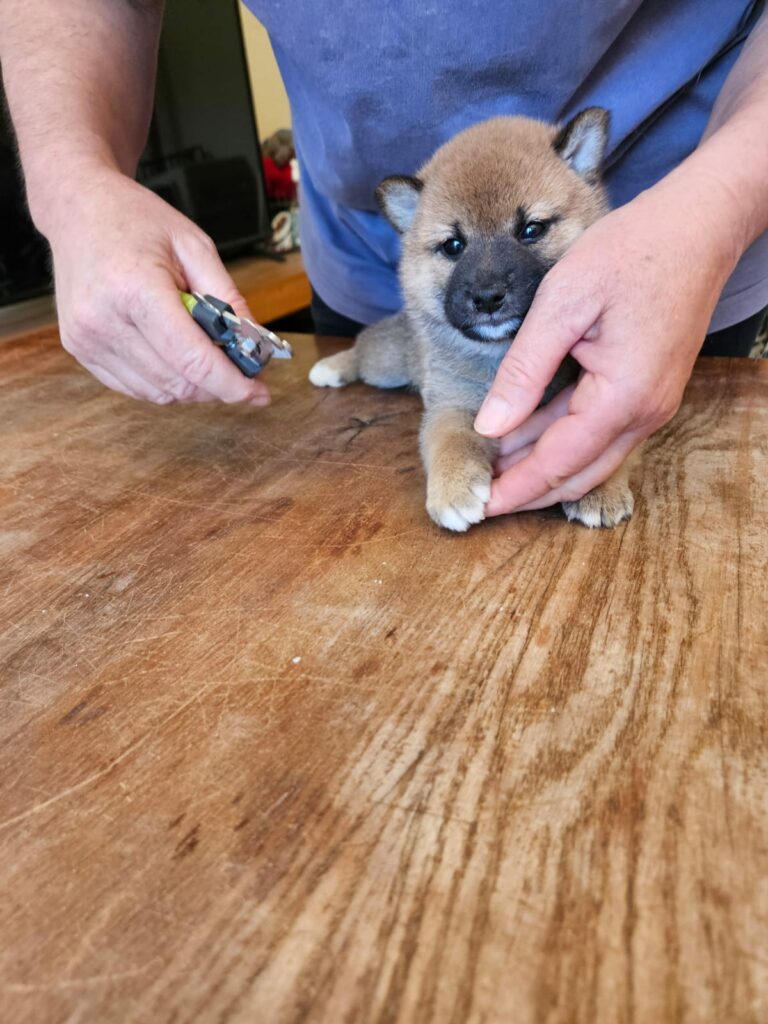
{"x": 455, "y": 375}
{"x": 451, "y": 375}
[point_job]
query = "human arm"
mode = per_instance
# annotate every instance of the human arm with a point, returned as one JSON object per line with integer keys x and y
{"x": 631, "y": 301}
{"x": 79, "y": 77}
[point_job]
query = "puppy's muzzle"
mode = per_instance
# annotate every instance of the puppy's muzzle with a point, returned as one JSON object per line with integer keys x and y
{"x": 491, "y": 288}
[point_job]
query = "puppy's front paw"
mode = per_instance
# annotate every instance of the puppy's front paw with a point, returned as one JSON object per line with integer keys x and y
{"x": 606, "y": 505}
{"x": 457, "y": 494}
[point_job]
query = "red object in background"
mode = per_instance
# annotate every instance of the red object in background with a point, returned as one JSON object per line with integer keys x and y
{"x": 279, "y": 183}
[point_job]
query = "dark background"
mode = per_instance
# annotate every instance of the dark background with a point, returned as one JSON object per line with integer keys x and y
{"x": 202, "y": 153}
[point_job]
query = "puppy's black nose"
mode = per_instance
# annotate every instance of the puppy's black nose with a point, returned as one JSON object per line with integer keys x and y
{"x": 488, "y": 300}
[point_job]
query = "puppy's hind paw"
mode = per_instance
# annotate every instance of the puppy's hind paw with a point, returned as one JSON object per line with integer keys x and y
{"x": 604, "y": 506}
{"x": 335, "y": 371}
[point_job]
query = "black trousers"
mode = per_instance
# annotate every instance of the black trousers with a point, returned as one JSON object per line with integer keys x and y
{"x": 732, "y": 341}
{"x": 737, "y": 340}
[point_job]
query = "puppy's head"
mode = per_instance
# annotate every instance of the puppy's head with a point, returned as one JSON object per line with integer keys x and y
{"x": 490, "y": 213}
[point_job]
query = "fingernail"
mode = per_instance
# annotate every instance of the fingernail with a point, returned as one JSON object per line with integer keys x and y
{"x": 260, "y": 400}
{"x": 492, "y": 507}
{"x": 494, "y": 413}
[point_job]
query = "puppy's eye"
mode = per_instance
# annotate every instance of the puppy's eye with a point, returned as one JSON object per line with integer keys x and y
{"x": 533, "y": 231}
{"x": 453, "y": 247}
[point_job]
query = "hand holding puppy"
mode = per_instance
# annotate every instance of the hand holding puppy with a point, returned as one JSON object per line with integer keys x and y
{"x": 631, "y": 302}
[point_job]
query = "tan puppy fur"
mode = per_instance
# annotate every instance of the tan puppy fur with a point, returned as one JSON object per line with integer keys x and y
{"x": 482, "y": 222}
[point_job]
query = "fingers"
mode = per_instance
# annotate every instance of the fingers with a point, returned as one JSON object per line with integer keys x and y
{"x": 182, "y": 347}
{"x": 140, "y": 340}
{"x": 505, "y": 461}
{"x": 577, "y": 451}
{"x": 555, "y": 322}
{"x": 532, "y": 428}
{"x": 130, "y": 383}
{"x": 575, "y": 488}
{"x": 119, "y": 356}
{"x": 132, "y": 387}
{"x": 205, "y": 273}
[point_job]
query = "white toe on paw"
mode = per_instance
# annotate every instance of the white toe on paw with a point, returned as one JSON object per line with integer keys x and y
{"x": 458, "y": 504}
{"x": 324, "y": 375}
{"x": 450, "y": 518}
{"x": 603, "y": 507}
{"x": 482, "y": 490}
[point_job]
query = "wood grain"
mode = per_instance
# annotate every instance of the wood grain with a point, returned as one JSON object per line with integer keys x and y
{"x": 276, "y": 749}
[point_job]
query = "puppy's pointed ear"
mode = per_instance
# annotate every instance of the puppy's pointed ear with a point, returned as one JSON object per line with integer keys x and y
{"x": 398, "y": 198}
{"x": 581, "y": 142}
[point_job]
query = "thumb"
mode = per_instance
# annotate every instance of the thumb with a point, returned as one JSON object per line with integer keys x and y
{"x": 551, "y": 328}
{"x": 205, "y": 272}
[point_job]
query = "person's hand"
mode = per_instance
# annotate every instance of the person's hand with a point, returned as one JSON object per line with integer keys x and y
{"x": 631, "y": 301}
{"x": 120, "y": 256}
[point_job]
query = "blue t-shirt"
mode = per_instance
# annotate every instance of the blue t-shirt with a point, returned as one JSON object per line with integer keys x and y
{"x": 375, "y": 88}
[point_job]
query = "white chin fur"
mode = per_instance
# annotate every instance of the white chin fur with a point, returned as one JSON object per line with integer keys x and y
{"x": 495, "y": 332}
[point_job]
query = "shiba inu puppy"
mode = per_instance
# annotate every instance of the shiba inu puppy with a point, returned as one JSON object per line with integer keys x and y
{"x": 482, "y": 222}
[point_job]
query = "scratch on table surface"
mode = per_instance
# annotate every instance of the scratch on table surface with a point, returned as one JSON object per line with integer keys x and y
{"x": 419, "y": 811}
{"x": 239, "y": 507}
{"x": 311, "y": 638}
{"x": 156, "y": 636}
{"x": 95, "y": 776}
{"x": 326, "y": 550}
{"x": 21, "y": 700}
{"x": 93, "y": 979}
{"x": 309, "y": 453}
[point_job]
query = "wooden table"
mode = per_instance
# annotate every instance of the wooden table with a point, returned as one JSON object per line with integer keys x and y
{"x": 276, "y": 749}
